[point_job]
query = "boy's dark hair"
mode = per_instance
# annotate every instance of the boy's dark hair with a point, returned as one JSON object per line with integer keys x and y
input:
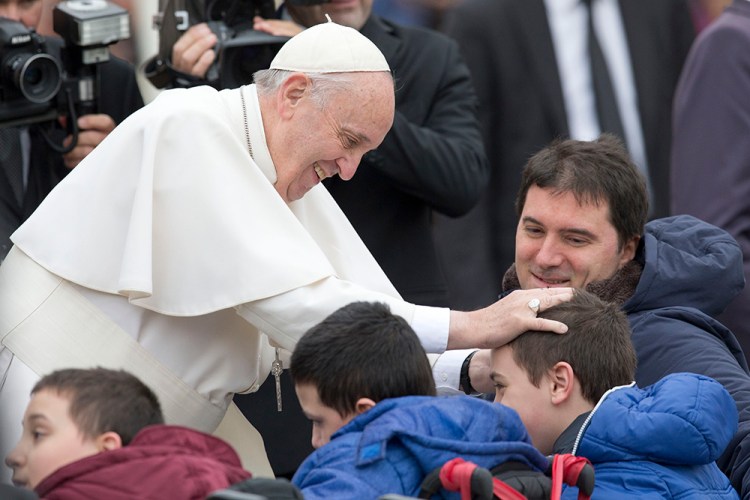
{"x": 361, "y": 350}
{"x": 104, "y": 400}
{"x": 597, "y": 345}
{"x": 595, "y": 172}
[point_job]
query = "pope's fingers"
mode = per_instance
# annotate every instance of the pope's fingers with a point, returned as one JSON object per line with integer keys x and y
{"x": 550, "y": 299}
{"x": 547, "y": 325}
{"x": 563, "y": 290}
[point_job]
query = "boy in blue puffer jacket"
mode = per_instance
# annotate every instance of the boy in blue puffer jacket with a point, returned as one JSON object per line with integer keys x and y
{"x": 364, "y": 380}
{"x": 574, "y": 394}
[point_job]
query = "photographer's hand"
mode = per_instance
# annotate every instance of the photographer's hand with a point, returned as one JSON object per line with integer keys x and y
{"x": 193, "y": 52}
{"x": 92, "y": 130}
{"x": 277, "y": 27}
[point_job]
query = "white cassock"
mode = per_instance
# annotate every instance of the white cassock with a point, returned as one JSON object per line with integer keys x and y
{"x": 168, "y": 252}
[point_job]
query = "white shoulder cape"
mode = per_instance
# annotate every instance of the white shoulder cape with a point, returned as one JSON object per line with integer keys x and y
{"x": 172, "y": 212}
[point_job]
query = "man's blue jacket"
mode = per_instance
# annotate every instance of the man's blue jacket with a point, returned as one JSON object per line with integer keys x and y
{"x": 685, "y": 272}
{"x": 691, "y": 271}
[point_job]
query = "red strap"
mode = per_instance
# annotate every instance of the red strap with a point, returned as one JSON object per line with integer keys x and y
{"x": 566, "y": 468}
{"x": 456, "y": 476}
{"x": 504, "y": 492}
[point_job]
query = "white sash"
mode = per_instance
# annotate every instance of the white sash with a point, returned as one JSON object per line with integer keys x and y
{"x": 49, "y": 325}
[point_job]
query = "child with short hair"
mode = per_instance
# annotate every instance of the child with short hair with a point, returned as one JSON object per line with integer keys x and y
{"x": 364, "y": 380}
{"x": 574, "y": 393}
{"x": 97, "y": 433}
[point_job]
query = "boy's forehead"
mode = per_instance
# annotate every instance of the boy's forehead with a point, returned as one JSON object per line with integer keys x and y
{"x": 48, "y": 403}
{"x": 307, "y": 393}
{"x": 501, "y": 356}
{"x": 497, "y": 351}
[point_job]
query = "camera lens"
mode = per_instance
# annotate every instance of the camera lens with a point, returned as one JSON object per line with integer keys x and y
{"x": 32, "y": 77}
{"x": 37, "y": 76}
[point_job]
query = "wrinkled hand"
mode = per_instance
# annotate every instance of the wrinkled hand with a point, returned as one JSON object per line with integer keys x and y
{"x": 193, "y": 52}
{"x": 276, "y": 27}
{"x": 92, "y": 129}
{"x": 498, "y": 324}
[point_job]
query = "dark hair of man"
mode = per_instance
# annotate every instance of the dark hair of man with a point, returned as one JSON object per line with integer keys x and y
{"x": 362, "y": 350}
{"x": 595, "y": 172}
{"x": 597, "y": 345}
{"x": 104, "y": 400}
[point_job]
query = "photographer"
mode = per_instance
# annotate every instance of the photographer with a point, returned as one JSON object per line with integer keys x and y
{"x": 29, "y": 167}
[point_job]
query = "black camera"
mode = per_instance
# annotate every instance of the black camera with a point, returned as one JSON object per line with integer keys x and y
{"x": 240, "y": 50}
{"x": 29, "y": 77}
{"x": 44, "y": 78}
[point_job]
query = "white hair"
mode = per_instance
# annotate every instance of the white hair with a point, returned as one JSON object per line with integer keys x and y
{"x": 324, "y": 85}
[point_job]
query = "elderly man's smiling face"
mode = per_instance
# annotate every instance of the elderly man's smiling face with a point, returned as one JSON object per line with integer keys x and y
{"x": 321, "y": 141}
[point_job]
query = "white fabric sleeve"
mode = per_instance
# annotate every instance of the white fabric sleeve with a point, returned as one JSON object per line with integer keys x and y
{"x": 287, "y": 316}
{"x": 446, "y": 369}
{"x": 431, "y": 325}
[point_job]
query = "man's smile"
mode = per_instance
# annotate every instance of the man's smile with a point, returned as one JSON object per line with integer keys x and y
{"x": 550, "y": 281}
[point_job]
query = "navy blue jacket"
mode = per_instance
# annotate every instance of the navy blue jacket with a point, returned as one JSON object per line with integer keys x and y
{"x": 393, "y": 446}
{"x": 659, "y": 442}
{"x": 692, "y": 270}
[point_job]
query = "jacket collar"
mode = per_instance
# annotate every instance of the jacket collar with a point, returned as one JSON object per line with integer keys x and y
{"x": 567, "y": 439}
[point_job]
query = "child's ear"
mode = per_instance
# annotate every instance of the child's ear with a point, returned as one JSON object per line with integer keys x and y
{"x": 363, "y": 404}
{"x": 109, "y": 441}
{"x": 561, "y": 382}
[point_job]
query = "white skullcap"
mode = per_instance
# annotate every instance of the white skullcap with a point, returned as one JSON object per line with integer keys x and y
{"x": 329, "y": 48}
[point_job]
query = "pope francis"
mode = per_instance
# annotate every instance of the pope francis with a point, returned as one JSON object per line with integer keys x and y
{"x": 196, "y": 242}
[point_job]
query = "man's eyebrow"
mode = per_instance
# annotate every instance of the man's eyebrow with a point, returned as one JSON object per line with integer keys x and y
{"x": 569, "y": 230}
{"x": 580, "y": 231}
{"x": 358, "y": 135}
{"x": 528, "y": 218}
{"x": 496, "y": 377}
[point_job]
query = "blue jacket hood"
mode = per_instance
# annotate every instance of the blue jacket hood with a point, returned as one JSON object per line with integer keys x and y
{"x": 393, "y": 446}
{"x": 684, "y": 419}
{"x": 688, "y": 263}
{"x": 436, "y": 430}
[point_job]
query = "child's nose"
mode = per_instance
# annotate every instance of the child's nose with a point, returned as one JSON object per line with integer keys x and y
{"x": 13, "y": 458}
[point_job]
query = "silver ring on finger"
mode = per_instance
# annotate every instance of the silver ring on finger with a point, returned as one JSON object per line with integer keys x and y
{"x": 534, "y": 305}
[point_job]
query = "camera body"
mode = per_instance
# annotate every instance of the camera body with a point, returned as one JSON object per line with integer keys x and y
{"x": 29, "y": 76}
{"x": 240, "y": 50}
{"x": 42, "y": 78}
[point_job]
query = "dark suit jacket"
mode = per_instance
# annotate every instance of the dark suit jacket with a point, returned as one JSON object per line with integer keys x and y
{"x": 509, "y": 50}
{"x": 432, "y": 159}
{"x": 118, "y": 97}
{"x": 711, "y": 147}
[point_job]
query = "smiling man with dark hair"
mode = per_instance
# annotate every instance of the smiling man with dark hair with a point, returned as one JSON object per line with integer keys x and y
{"x": 582, "y": 211}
